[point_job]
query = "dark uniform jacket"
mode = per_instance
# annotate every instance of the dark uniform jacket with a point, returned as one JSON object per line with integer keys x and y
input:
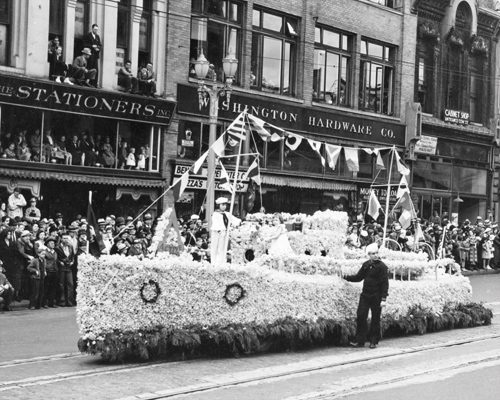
{"x": 65, "y": 261}
{"x": 375, "y": 279}
{"x": 51, "y": 261}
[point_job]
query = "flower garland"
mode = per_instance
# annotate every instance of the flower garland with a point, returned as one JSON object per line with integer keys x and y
{"x": 234, "y": 293}
{"x": 150, "y": 291}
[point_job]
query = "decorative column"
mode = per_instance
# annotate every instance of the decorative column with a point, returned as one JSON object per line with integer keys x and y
{"x": 108, "y": 54}
{"x": 37, "y": 38}
{"x": 159, "y": 42}
{"x": 68, "y": 41}
{"x": 135, "y": 26}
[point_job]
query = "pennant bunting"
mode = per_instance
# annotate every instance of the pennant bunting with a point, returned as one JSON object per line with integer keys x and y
{"x": 224, "y": 181}
{"x": 380, "y": 161}
{"x": 198, "y": 163}
{"x": 276, "y": 138}
{"x": 369, "y": 151}
{"x": 293, "y": 141}
{"x": 373, "y": 206}
{"x": 403, "y": 170}
{"x": 218, "y": 146}
{"x": 253, "y": 173}
{"x": 332, "y": 153}
{"x": 316, "y": 146}
{"x": 352, "y": 159}
{"x": 180, "y": 185}
{"x": 403, "y": 187}
{"x": 237, "y": 129}
{"x": 259, "y": 126}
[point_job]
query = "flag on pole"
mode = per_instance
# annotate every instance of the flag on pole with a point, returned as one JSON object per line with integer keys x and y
{"x": 403, "y": 170}
{"x": 180, "y": 185}
{"x": 94, "y": 236}
{"x": 224, "y": 181}
{"x": 332, "y": 153}
{"x": 237, "y": 128}
{"x": 253, "y": 172}
{"x": 352, "y": 159}
{"x": 316, "y": 146}
{"x": 403, "y": 187}
{"x": 373, "y": 205}
{"x": 407, "y": 210}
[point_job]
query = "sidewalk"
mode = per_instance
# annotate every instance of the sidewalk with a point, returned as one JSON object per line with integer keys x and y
{"x": 466, "y": 272}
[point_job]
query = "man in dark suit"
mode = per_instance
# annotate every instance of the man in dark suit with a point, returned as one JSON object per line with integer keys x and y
{"x": 93, "y": 41}
{"x": 66, "y": 259}
{"x": 82, "y": 73}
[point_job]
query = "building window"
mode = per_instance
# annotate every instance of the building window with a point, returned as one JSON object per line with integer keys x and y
{"x": 387, "y": 3}
{"x": 216, "y": 28}
{"x": 274, "y": 43}
{"x": 376, "y": 77}
{"x": 5, "y": 10}
{"x": 425, "y": 76}
{"x": 476, "y": 90}
{"x": 123, "y": 25}
{"x": 331, "y": 74}
{"x": 81, "y": 25}
{"x": 145, "y": 34}
{"x": 56, "y": 19}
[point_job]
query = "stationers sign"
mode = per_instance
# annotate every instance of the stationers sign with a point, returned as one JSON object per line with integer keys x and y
{"x": 76, "y": 99}
{"x": 297, "y": 118}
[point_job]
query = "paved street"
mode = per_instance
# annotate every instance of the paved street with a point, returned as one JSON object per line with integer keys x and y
{"x": 39, "y": 359}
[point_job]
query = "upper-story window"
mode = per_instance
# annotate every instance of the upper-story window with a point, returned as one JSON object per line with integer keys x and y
{"x": 81, "y": 25}
{"x": 425, "y": 75}
{"x": 123, "y": 26}
{"x": 5, "y": 23}
{"x": 145, "y": 33}
{"x": 56, "y": 19}
{"x": 331, "y": 73}
{"x": 274, "y": 44}
{"x": 387, "y": 3}
{"x": 477, "y": 88}
{"x": 376, "y": 77}
{"x": 216, "y": 27}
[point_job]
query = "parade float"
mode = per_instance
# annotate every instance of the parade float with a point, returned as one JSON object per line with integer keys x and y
{"x": 170, "y": 307}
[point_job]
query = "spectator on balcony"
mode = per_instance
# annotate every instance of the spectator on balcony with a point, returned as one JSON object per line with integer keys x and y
{"x": 32, "y": 214}
{"x": 126, "y": 78}
{"x": 93, "y": 41}
{"x": 62, "y": 149}
{"x": 52, "y": 48}
{"x": 75, "y": 149}
{"x": 123, "y": 154}
{"x": 10, "y": 152}
{"x": 141, "y": 159}
{"x": 35, "y": 144}
{"x": 147, "y": 82}
{"x": 131, "y": 161}
{"x": 16, "y": 202}
{"x": 58, "y": 70}
{"x": 83, "y": 74}
{"x": 49, "y": 145}
{"x": 107, "y": 155}
{"x": 23, "y": 152}
{"x": 87, "y": 146}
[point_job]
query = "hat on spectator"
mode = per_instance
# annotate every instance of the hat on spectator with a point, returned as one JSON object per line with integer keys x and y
{"x": 195, "y": 217}
{"x": 221, "y": 200}
{"x": 49, "y": 239}
{"x": 121, "y": 246}
{"x": 32, "y": 199}
{"x": 129, "y": 218}
{"x": 364, "y": 233}
{"x": 73, "y": 226}
{"x": 137, "y": 240}
{"x": 487, "y": 222}
{"x": 467, "y": 221}
{"x": 372, "y": 248}
{"x": 101, "y": 221}
{"x": 148, "y": 217}
{"x": 43, "y": 221}
{"x": 479, "y": 217}
{"x": 112, "y": 216}
{"x": 25, "y": 233}
{"x": 86, "y": 51}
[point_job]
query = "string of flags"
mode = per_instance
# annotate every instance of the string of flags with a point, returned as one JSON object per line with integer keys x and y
{"x": 327, "y": 153}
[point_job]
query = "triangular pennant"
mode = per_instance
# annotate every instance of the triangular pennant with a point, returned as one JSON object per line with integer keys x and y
{"x": 368, "y": 151}
{"x": 253, "y": 173}
{"x": 380, "y": 161}
{"x": 373, "y": 205}
{"x": 316, "y": 146}
{"x": 403, "y": 170}
{"x": 407, "y": 210}
{"x": 224, "y": 181}
{"x": 293, "y": 141}
{"x": 403, "y": 187}
{"x": 352, "y": 159}
{"x": 180, "y": 185}
{"x": 198, "y": 163}
{"x": 276, "y": 138}
{"x": 218, "y": 146}
{"x": 332, "y": 153}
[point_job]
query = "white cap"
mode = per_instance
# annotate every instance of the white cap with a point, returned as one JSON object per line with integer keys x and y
{"x": 221, "y": 200}
{"x": 195, "y": 217}
{"x": 372, "y": 248}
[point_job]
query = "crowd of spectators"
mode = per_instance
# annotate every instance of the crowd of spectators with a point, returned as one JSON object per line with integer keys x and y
{"x": 84, "y": 70}
{"x": 80, "y": 149}
{"x": 472, "y": 244}
{"x": 39, "y": 256}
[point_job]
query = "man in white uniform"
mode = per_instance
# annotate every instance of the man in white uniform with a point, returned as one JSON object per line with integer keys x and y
{"x": 220, "y": 223}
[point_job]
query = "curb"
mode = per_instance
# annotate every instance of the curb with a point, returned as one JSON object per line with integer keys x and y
{"x": 480, "y": 272}
{"x": 202, "y": 387}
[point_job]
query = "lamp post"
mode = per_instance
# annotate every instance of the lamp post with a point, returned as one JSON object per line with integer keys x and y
{"x": 212, "y": 90}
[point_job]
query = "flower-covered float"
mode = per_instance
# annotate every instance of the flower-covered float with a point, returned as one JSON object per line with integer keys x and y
{"x": 171, "y": 307}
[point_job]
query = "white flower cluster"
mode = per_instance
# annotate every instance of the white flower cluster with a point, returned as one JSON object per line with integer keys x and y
{"x": 192, "y": 293}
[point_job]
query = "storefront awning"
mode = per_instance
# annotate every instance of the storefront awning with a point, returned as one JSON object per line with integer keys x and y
{"x": 307, "y": 183}
{"x": 89, "y": 179}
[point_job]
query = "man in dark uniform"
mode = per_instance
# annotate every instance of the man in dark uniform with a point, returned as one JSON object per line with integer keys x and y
{"x": 66, "y": 258}
{"x": 373, "y": 296}
{"x": 93, "y": 41}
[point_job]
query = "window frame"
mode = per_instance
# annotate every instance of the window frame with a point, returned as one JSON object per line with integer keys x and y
{"x": 124, "y": 6}
{"x": 6, "y": 21}
{"x": 259, "y": 32}
{"x": 386, "y": 62}
{"x": 342, "y": 53}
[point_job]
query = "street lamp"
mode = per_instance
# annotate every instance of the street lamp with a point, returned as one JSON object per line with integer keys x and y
{"x": 212, "y": 90}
